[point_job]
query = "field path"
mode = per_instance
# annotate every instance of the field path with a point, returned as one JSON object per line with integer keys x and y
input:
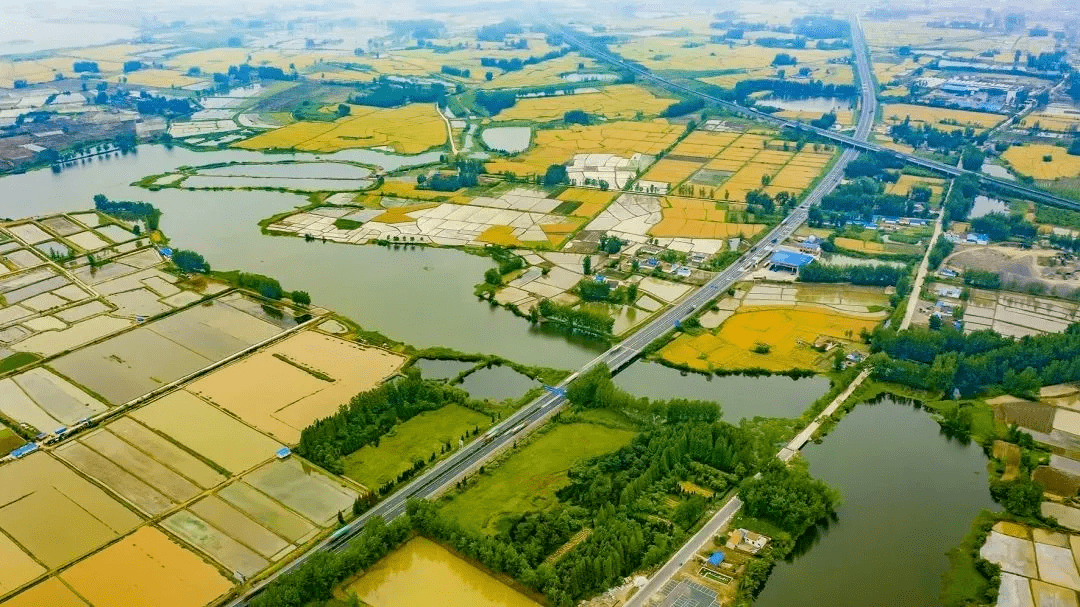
{"x": 916, "y": 289}
{"x": 449, "y": 130}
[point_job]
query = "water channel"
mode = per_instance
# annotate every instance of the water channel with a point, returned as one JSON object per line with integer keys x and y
{"x": 909, "y": 496}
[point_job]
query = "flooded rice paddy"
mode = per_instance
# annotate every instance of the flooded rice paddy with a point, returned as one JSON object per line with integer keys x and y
{"x": 909, "y": 496}
{"x": 424, "y": 573}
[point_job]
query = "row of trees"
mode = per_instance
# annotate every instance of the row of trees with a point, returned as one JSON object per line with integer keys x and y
{"x": 385, "y": 92}
{"x": 977, "y": 362}
{"x": 128, "y": 210}
{"x": 574, "y": 319}
{"x": 878, "y": 275}
{"x": 515, "y": 64}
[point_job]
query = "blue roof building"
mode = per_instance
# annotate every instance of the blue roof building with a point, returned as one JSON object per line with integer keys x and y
{"x": 789, "y": 260}
{"x": 716, "y": 558}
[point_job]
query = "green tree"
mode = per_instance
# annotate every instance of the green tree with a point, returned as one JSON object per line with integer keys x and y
{"x": 586, "y": 265}
{"x": 492, "y": 277}
{"x": 301, "y": 298}
{"x": 190, "y": 261}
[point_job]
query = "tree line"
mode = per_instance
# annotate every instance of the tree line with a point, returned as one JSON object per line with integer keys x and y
{"x": 876, "y": 275}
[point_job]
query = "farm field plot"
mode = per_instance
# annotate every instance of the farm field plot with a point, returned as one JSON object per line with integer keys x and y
{"x": 189, "y": 421}
{"x": 558, "y": 146}
{"x": 54, "y": 514}
{"x": 695, "y": 218}
{"x": 51, "y": 592}
{"x": 529, "y": 478}
{"x": 158, "y": 78}
{"x": 411, "y": 129}
{"x": 903, "y": 185}
{"x": 303, "y": 489}
{"x": 1030, "y": 160}
{"x": 283, "y": 389}
{"x": 659, "y": 52}
{"x": 591, "y": 202}
{"x": 422, "y": 572}
{"x": 617, "y": 101}
{"x": 146, "y": 568}
{"x": 788, "y": 332}
{"x": 414, "y": 439}
{"x": 43, "y": 400}
{"x": 942, "y": 118}
{"x": 131, "y": 364}
{"x": 854, "y": 244}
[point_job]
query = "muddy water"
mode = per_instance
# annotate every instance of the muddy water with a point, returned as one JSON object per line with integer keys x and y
{"x": 417, "y": 295}
{"x": 497, "y": 384}
{"x": 909, "y": 496}
{"x": 424, "y": 573}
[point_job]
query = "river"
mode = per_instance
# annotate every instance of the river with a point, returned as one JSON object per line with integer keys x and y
{"x": 422, "y": 296}
{"x": 909, "y": 496}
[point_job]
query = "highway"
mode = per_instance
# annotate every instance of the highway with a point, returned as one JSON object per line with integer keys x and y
{"x": 447, "y": 472}
{"x": 858, "y": 141}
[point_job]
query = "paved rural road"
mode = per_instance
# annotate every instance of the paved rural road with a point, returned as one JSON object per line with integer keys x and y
{"x": 502, "y": 436}
{"x": 723, "y": 516}
{"x": 924, "y": 267}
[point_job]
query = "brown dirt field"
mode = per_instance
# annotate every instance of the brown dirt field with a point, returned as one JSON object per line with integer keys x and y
{"x": 141, "y": 465}
{"x": 51, "y": 593}
{"x": 1036, "y": 416}
{"x": 282, "y": 398}
{"x": 146, "y": 568}
{"x": 207, "y": 538}
{"x": 1056, "y": 481}
{"x": 207, "y": 431}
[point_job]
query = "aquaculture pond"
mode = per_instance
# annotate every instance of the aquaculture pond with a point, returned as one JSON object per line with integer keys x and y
{"x": 910, "y": 494}
{"x": 423, "y": 296}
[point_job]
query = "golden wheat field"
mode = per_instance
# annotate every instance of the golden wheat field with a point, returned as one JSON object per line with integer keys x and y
{"x": 558, "y": 146}
{"x": 1030, "y": 160}
{"x": 411, "y": 129}
{"x": 939, "y": 117}
{"x": 787, "y": 331}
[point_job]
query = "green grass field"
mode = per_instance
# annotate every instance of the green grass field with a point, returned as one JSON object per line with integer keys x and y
{"x": 416, "y": 438}
{"x": 9, "y": 441}
{"x": 528, "y": 479}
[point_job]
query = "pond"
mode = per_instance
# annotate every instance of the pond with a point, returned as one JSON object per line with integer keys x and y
{"x": 497, "y": 384}
{"x": 984, "y": 205}
{"x": 422, "y": 296}
{"x": 812, "y": 104}
{"x": 1000, "y": 172}
{"x": 740, "y": 397}
{"x": 423, "y": 572}
{"x": 909, "y": 496}
{"x": 431, "y": 368}
{"x": 511, "y": 139}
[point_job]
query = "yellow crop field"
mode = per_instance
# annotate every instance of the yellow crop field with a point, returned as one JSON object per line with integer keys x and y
{"x": 157, "y": 78}
{"x": 940, "y": 117}
{"x": 619, "y": 101}
{"x": 1057, "y": 121}
{"x": 408, "y": 189}
{"x": 886, "y": 72}
{"x": 558, "y": 146}
{"x": 671, "y": 171}
{"x": 592, "y": 201}
{"x": 114, "y": 53}
{"x": 787, "y": 331}
{"x": 545, "y": 73}
{"x": 1028, "y": 160}
{"x": 219, "y": 59}
{"x": 860, "y": 245}
{"x": 400, "y": 214}
{"x": 903, "y": 186}
{"x": 36, "y": 71}
{"x": 695, "y": 218}
{"x": 412, "y": 129}
{"x": 500, "y": 235}
{"x": 712, "y": 139}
